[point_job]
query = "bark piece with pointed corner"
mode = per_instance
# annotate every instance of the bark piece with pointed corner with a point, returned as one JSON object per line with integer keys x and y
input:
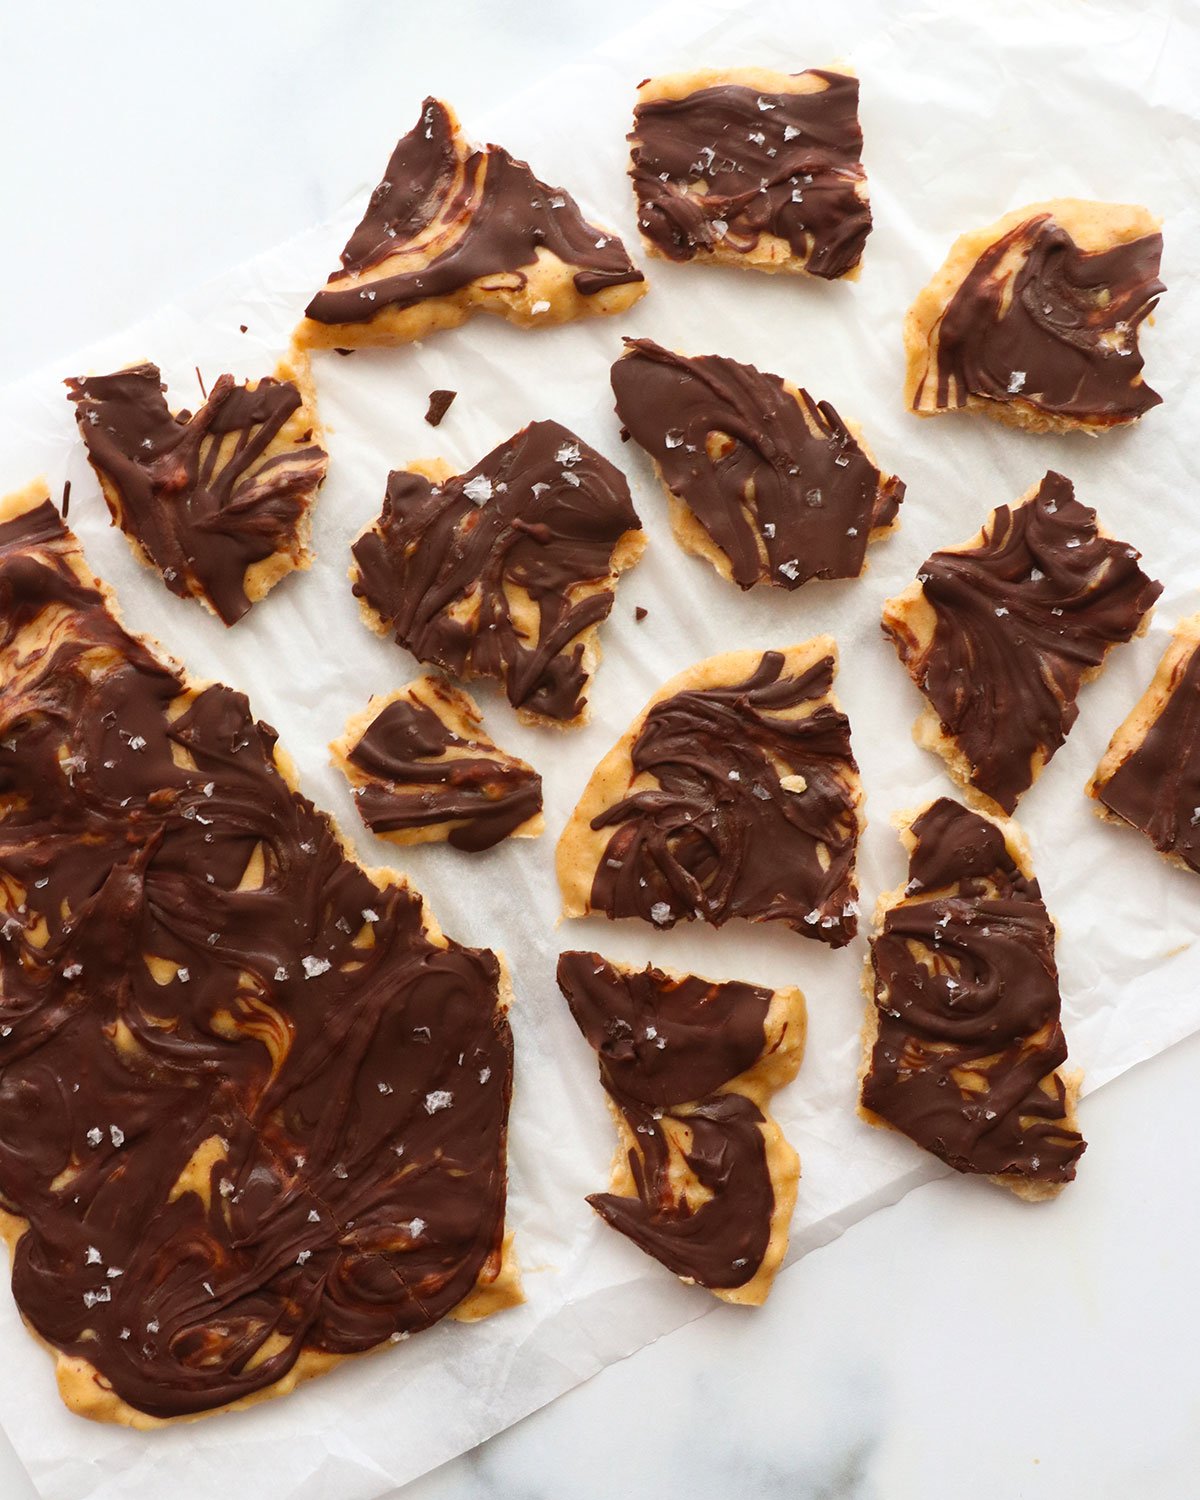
{"x": 455, "y": 229}
{"x": 703, "y": 1178}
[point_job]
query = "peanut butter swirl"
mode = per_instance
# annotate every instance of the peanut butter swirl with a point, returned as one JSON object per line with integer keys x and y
{"x": 252, "y": 1104}
{"x": 504, "y": 571}
{"x": 1040, "y": 321}
{"x": 743, "y": 803}
{"x": 968, "y": 1041}
{"x": 668, "y": 1048}
{"x": 210, "y": 498}
{"x": 776, "y": 479}
{"x": 723, "y": 166}
{"x": 495, "y": 219}
{"x": 1000, "y": 634}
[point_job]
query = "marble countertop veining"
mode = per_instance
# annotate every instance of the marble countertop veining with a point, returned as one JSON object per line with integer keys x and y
{"x": 958, "y": 1343}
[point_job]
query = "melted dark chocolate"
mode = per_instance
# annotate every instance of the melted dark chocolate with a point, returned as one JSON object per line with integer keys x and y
{"x": 787, "y": 165}
{"x": 197, "y": 493}
{"x": 542, "y": 514}
{"x": 1157, "y": 787}
{"x": 499, "y": 213}
{"x": 781, "y": 486}
{"x": 1059, "y": 331}
{"x": 246, "y": 1105}
{"x": 414, "y": 783}
{"x": 667, "y": 1048}
{"x": 717, "y": 835}
{"x": 1020, "y": 619}
{"x": 967, "y": 1002}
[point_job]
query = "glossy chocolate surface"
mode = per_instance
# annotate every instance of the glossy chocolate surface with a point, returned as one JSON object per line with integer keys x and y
{"x": 1039, "y": 320}
{"x": 200, "y": 494}
{"x": 497, "y": 216}
{"x": 250, "y": 1109}
{"x": 779, "y": 484}
{"x": 967, "y": 1005}
{"x": 1020, "y": 619}
{"x": 727, "y": 164}
{"x": 536, "y": 521}
{"x": 717, "y": 834}
{"x": 668, "y": 1047}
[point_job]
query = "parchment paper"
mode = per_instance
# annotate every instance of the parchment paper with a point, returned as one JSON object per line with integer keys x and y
{"x": 968, "y": 111}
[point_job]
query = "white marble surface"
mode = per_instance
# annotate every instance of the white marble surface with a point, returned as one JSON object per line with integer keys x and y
{"x": 958, "y": 1343}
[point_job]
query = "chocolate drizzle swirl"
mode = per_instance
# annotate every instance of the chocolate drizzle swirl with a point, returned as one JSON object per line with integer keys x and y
{"x": 749, "y": 810}
{"x": 204, "y": 497}
{"x": 1156, "y": 787}
{"x": 669, "y": 1047}
{"x": 967, "y": 1008}
{"x": 421, "y": 774}
{"x": 501, "y": 572}
{"x": 250, "y": 1108}
{"x": 495, "y": 214}
{"x": 776, "y": 479}
{"x": 723, "y": 166}
{"x": 1039, "y": 321}
{"x": 1020, "y": 619}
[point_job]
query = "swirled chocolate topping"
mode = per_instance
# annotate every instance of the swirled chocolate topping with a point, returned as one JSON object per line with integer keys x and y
{"x": 1001, "y": 634}
{"x": 1042, "y": 322}
{"x": 250, "y": 1108}
{"x": 206, "y": 498}
{"x": 506, "y": 570}
{"x": 423, "y": 765}
{"x": 668, "y": 1047}
{"x": 451, "y": 214}
{"x": 1155, "y": 783}
{"x": 723, "y": 166}
{"x": 777, "y": 481}
{"x": 967, "y": 1008}
{"x": 746, "y": 806}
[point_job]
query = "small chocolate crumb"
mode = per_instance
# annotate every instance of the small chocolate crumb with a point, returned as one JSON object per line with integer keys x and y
{"x": 66, "y": 499}
{"x": 440, "y": 403}
{"x": 200, "y": 382}
{"x": 639, "y": 614}
{"x": 343, "y": 351}
{"x": 624, "y": 434}
{"x": 242, "y": 326}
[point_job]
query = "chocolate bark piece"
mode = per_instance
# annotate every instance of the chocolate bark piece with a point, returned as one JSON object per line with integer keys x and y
{"x": 704, "y": 1179}
{"x": 767, "y": 484}
{"x": 253, "y": 1104}
{"x": 1034, "y": 320}
{"x": 735, "y": 793}
{"x": 423, "y": 770}
{"x": 963, "y": 1044}
{"x": 1149, "y": 777}
{"x": 1002, "y": 631}
{"x": 454, "y": 229}
{"x": 752, "y": 168}
{"x": 219, "y": 503}
{"x": 505, "y": 571}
